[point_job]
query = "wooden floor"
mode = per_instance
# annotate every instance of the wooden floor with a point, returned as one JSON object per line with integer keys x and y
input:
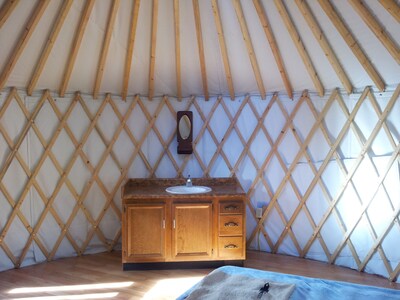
{"x": 94, "y": 272}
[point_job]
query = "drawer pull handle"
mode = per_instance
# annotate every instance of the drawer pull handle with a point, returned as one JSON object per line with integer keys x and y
{"x": 231, "y": 224}
{"x": 231, "y": 207}
{"x": 231, "y": 246}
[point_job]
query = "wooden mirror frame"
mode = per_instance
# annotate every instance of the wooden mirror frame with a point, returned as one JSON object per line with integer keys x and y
{"x": 184, "y": 145}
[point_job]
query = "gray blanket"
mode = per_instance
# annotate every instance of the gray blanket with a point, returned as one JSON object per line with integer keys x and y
{"x": 220, "y": 285}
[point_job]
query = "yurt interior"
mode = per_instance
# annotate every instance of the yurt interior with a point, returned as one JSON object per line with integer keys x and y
{"x": 199, "y": 149}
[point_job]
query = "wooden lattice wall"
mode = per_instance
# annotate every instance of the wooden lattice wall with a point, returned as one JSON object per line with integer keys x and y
{"x": 324, "y": 170}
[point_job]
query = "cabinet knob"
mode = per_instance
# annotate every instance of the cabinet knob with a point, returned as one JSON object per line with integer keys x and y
{"x": 231, "y": 246}
{"x": 231, "y": 224}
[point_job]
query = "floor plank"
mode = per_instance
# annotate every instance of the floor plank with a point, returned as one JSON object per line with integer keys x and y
{"x": 154, "y": 284}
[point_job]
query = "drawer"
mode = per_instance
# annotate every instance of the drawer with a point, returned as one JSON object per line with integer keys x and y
{"x": 230, "y": 225}
{"x": 230, "y": 247}
{"x": 232, "y": 207}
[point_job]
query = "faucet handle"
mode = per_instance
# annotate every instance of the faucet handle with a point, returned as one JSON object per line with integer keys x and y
{"x": 188, "y": 181}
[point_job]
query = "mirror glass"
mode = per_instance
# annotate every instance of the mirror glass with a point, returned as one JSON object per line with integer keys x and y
{"x": 184, "y": 127}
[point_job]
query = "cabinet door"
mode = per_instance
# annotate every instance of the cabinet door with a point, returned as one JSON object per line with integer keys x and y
{"x": 145, "y": 232}
{"x": 192, "y": 231}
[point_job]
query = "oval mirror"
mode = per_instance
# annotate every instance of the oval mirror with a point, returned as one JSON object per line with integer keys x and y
{"x": 184, "y": 127}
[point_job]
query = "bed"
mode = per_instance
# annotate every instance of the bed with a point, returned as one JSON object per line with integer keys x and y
{"x": 231, "y": 282}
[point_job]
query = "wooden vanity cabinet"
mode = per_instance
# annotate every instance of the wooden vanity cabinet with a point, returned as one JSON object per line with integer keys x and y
{"x": 167, "y": 231}
{"x": 182, "y": 228}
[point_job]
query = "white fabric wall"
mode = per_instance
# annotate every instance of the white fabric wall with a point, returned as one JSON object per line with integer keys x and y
{"x": 85, "y": 68}
{"x": 362, "y": 187}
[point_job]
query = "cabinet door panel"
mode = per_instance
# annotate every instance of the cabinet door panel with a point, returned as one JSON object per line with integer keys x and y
{"x": 146, "y": 232}
{"x": 192, "y": 232}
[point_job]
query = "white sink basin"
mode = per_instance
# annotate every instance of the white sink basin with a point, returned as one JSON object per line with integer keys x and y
{"x": 183, "y": 189}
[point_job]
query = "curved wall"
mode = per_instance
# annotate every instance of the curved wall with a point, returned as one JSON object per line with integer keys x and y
{"x": 324, "y": 170}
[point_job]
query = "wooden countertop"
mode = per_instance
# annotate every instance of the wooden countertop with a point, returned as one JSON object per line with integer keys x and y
{"x": 146, "y": 188}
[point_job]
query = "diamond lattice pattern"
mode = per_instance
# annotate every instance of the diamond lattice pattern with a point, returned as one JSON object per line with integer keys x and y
{"x": 325, "y": 171}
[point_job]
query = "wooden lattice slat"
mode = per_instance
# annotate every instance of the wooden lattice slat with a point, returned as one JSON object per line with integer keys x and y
{"x": 323, "y": 185}
{"x": 323, "y": 166}
{"x": 300, "y": 46}
{"x": 153, "y": 47}
{"x": 96, "y": 117}
{"x": 104, "y": 49}
{"x": 197, "y": 20}
{"x": 249, "y": 46}
{"x": 232, "y": 126}
{"x": 220, "y": 144}
{"x": 365, "y": 204}
{"x": 6, "y": 10}
{"x": 58, "y": 23}
{"x": 32, "y": 178}
{"x": 392, "y": 8}
{"x": 274, "y": 47}
{"x": 294, "y": 187}
{"x": 352, "y": 43}
{"x": 266, "y": 162}
{"x": 23, "y": 40}
{"x": 129, "y": 50}
{"x": 379, "y": 31}
{"x": 325, "y": 46}
{"x": 78, "y": 152}
{"x": 177, "y": 50}
{"x": 355, "y": 166}
{"x": 109, "y": 197}
{"x": 76, "y": 44}
{"x": 222, "y": 45}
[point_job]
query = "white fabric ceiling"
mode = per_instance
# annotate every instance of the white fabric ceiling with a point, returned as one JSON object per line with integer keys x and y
{"x": 85, "y": 67}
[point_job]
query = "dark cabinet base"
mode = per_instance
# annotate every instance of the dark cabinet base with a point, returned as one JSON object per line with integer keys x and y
{"x": 181, "y": 265}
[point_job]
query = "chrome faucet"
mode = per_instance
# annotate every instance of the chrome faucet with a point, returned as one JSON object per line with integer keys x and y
{"x": 189, "y": 181}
